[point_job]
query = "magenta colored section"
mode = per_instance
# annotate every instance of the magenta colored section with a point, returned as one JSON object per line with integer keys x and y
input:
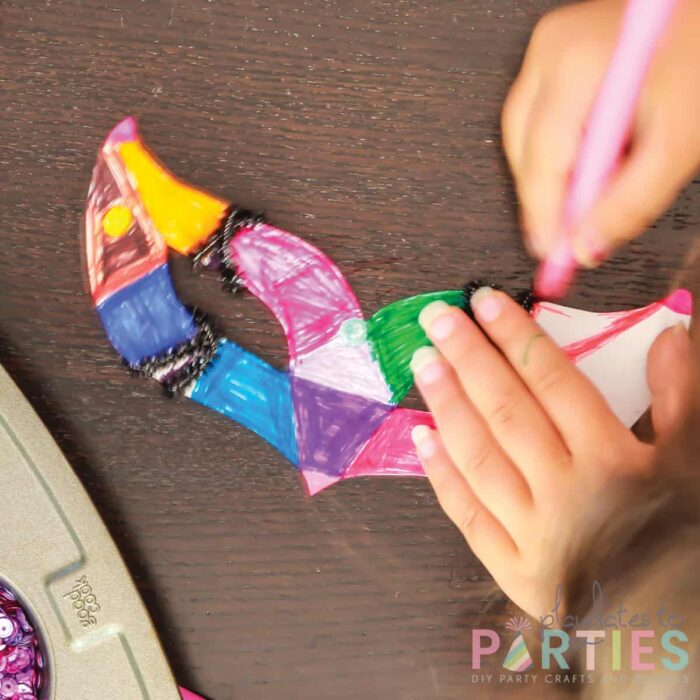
{"x": 680, "y": 301}
{"x": 390, "y": 451}
{"x": 301, "y": 286}
{"x": 332, "y": 425}
{"x": 188, "y": 695}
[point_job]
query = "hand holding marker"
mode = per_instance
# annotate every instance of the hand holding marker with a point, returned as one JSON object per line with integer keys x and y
{"x": 606, "y": 133}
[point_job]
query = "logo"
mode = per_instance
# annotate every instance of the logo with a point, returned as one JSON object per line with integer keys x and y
{"x": 618, "y": 641}
{"x": 84, "y": 602}
{"x": 518, "y": 658}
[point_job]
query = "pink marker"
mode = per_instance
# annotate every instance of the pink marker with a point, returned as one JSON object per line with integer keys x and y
{"x": 606, "y": 133}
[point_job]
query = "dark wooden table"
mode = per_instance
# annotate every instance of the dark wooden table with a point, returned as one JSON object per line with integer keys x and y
{"x": 372, "y": 129}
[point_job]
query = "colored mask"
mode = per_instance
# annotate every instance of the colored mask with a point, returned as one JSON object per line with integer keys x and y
{"x": 334, "y": 412}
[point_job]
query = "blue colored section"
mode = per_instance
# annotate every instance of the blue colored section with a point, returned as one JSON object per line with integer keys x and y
{"x": 146, "y": 318}
{"x": 248, "y": 390}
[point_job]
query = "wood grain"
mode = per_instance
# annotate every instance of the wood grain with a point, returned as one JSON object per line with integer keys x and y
{"x": 370, "y": 128}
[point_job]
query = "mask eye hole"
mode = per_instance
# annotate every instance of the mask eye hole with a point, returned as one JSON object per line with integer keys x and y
{"x": 117, "y": 220}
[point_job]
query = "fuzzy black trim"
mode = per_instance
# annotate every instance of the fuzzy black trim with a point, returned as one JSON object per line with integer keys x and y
{"x": 215, "y": 253}
{"x": 526, "y": 298}
{"x": 184, "y": 364}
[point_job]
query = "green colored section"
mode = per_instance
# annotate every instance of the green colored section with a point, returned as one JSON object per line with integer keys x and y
{"x": 395, "y": 335}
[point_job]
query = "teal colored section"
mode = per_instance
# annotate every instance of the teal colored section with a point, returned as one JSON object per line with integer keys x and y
{"x": 395, "y": 335}
{"x": 248, "y": 390}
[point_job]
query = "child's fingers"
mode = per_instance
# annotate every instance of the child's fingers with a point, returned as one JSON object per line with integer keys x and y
{"x": 516, "y": 115}
{"x": 487, "y": 537}
{"x": 575, "y": 407}
{"x": 516, "y": 420}
{"x": 468, "y": 442}
{"x": 550, "y": 148}
{"x": 644, "y": 188}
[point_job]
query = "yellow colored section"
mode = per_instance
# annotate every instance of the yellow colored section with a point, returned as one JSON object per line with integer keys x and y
{"x": 184, "y": 216}
{"x": 117, "y": 220}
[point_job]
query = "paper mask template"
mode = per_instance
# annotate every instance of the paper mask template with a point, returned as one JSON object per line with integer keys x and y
{"x": 334, "y": 413}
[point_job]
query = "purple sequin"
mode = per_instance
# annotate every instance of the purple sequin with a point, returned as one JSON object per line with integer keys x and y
{"x": 21, "y": 661}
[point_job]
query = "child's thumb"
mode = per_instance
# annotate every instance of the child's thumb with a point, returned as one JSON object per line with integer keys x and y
{"x": 669, "y": 369}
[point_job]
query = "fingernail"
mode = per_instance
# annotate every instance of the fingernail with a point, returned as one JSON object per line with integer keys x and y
{"x": 588, "y": 248}
{"x": 486, "y": 304}
{"x": 434, "y": 320}
{"x": 422, "y": 437}
{"x": 442, "y": 327}
{"x": 426, "y": 365}
{"x": 430, "y": 312}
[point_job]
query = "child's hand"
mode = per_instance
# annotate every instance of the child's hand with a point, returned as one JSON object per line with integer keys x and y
{"x": 525, "y": 440}
{"x": 547, "y": 107}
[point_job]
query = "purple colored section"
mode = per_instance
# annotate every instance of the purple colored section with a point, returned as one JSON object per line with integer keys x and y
{"x": 332, "y": 425}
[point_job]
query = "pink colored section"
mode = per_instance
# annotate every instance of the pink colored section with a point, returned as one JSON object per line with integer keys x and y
{"x": 301, "y": 286}
{"x": 552, "y": 308}
{"x": 126, "y": 130}
{"x": 187, "y": 695}
{"x": 315, "y": 482}
{"x": 114, "y": 263}
{"x": 619, "y": 323}
{"x": 680, "y": 301}
{"x": 556, "y": 272}
{"x": 345, "y": 367}
{"x": 390, "y": 451}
